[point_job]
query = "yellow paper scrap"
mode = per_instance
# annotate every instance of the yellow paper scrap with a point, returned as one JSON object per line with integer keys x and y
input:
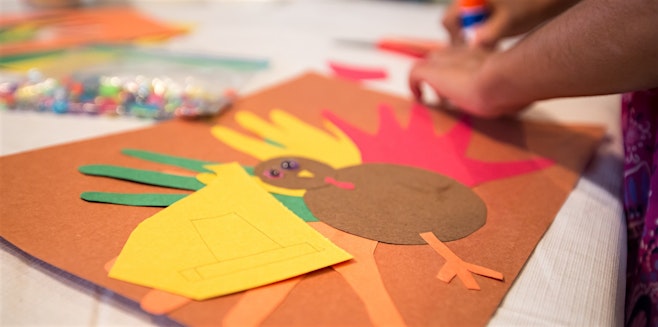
{"x": 229, "y": 236}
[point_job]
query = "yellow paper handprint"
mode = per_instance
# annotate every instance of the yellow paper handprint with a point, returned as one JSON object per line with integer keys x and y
{"x": 286, "y": 135}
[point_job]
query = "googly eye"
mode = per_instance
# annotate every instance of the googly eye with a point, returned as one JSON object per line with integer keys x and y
{"x": 273, "y": 173}
{"x": 289, "y": 164}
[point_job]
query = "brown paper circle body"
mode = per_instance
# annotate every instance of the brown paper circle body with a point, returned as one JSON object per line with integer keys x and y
{"x": 393, "y": 204}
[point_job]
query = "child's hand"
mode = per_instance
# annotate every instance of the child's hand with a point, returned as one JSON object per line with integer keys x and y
{"x": 506, "y": 18}
{"x": 460, "y": 75}
{"x": 576, "y": 53}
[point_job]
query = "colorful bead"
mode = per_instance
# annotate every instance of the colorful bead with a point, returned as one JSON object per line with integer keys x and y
{"x": 138, "y": 96}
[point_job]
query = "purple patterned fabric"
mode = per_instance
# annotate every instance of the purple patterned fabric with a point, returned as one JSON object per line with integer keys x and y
{"x": 640, "y": 128}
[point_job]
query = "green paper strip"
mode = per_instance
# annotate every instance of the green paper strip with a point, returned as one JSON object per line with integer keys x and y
{"x": 296, "y": 204}
{"x": 143, "y": 176}
{"x": 140, "y": 200}
{"x": 191, "y": 164}
{"x": 249, "y": 170}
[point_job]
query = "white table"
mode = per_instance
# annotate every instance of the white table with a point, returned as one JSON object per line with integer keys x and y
{"x": 574, "y": 277}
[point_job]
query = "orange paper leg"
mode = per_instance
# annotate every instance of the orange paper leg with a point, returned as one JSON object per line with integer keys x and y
{"x": 160, "y": 302}
{"x": 363, "y": 275}
{"x": 456, "y": 266}
{"x": 265, "y": 299}
{"x": 156, "y": 301}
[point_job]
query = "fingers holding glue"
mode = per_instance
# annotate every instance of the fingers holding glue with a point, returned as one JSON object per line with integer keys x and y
{"x": 505, "y": 18}
{"x": 475, "y": 23}
{"x": 490, "y": 32}
{"x": 499, "y": 24}
{"x": 463, "y": 30}
{"x": 451, "y": 21}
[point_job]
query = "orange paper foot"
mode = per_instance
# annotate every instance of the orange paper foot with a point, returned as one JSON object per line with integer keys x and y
{"x": 155, "y": 301}
{"x": 159, "y": 302}
{"x": 456, "y": 266}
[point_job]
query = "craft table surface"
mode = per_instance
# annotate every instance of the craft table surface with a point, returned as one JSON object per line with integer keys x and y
{"x": 574, "y": 277}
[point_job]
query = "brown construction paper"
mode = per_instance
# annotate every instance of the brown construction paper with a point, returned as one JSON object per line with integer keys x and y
{"x": 43, "y": 215}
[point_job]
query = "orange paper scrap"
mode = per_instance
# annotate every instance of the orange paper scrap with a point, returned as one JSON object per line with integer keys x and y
{"x": 74, "y": 27}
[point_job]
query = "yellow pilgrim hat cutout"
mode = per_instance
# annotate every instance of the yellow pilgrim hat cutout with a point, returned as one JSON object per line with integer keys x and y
{"x": 227, "y": 237}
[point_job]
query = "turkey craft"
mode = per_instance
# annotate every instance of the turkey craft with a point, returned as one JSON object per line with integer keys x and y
{"x": 400, "y": 185}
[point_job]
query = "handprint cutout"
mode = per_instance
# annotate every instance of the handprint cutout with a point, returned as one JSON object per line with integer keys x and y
{"x": 387, "y": 197}
{"x": 288, "y": 136}
{"x": 399, "y": 186}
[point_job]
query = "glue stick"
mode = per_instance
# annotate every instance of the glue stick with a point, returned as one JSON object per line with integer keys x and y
{"x": 473, "y": 14}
